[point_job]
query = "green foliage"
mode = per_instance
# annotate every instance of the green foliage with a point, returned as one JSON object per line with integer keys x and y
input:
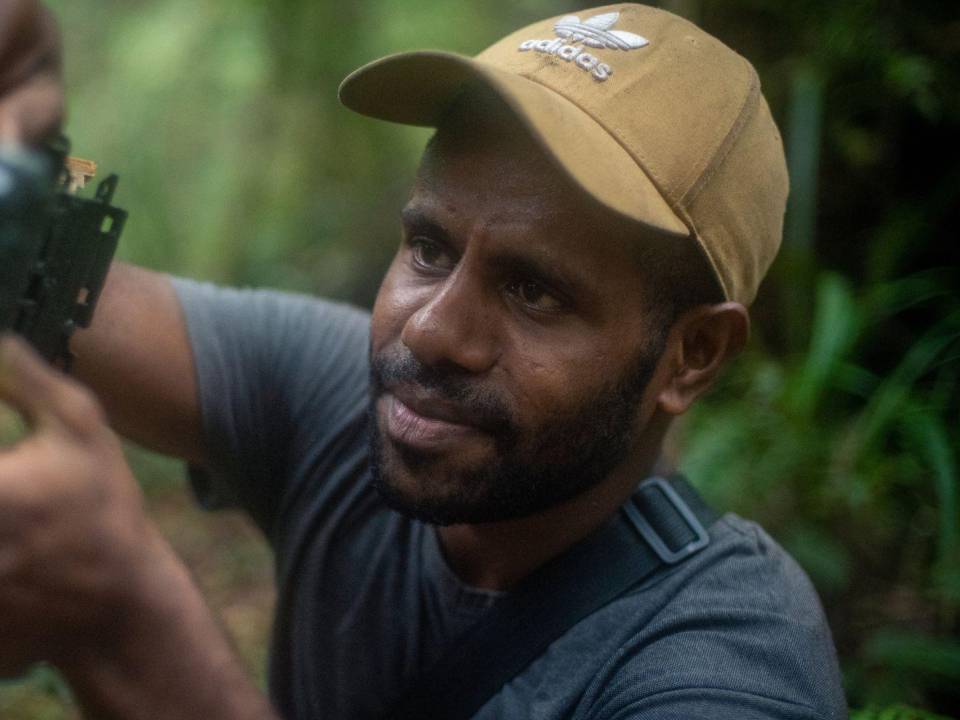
{"x": 894, "y": 712}
{"x": 12, "y": 426}
{"x": 855, "y": 470}
{"x": 42, "y": 695}
{"x": 839, "y": 430}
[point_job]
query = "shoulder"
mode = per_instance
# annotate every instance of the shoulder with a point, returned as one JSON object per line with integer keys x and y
{"x": 263, "y": 310}
{"x": 739, "y": 626}
{"x": 273, "y": 344}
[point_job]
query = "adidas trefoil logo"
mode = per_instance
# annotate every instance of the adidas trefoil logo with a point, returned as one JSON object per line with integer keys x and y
{"x": 594, "y": 32}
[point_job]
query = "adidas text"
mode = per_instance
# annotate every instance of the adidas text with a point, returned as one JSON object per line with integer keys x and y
{"x": 575, "y": 53}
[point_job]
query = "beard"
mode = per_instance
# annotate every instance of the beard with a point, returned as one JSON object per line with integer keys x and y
{"x": 533, "y": 469}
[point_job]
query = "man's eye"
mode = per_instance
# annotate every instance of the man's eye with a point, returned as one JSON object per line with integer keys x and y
{"x": 430, "y": 255}
{"x": 534, "y": 295}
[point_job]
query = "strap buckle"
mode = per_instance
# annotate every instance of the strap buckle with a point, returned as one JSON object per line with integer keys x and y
{"x": 653, "y": 538}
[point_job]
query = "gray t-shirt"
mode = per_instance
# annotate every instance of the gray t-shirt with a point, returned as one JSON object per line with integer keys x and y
{"x": 366, "y": 600}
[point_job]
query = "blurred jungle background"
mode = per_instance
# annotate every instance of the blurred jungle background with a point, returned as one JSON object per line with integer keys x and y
{"x": 839, "y": 429}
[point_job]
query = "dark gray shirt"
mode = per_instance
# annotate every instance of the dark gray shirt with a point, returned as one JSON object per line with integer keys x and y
{"x": 366, "y": 600}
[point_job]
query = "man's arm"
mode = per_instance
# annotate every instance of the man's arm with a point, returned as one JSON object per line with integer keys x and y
{"x": 136, "y": 358}
{"x": 86, "y": 581}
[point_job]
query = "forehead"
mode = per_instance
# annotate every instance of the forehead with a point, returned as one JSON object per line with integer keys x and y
{"x": 486, "y": 165}
{"x": 497, "y": 176}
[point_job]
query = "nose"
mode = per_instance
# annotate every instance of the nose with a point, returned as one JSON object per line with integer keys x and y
{"x": 455, "y": 326}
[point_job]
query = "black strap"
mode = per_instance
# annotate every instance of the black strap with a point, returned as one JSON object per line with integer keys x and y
{"x": 664, "y": 522}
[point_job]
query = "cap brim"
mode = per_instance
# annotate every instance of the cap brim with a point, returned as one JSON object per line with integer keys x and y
{"x": 416, "y": 88}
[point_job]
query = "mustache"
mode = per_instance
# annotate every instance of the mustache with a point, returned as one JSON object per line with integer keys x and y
{"x": 399, "y": 367}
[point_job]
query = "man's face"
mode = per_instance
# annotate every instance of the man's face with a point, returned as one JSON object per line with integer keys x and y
{"x": 511, "y": 345}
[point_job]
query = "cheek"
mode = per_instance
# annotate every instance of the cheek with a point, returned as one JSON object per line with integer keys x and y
{"x": 537, "y": 379}
{"x": 554, "y": 381}
{"x": 548, "y": 385}
{"x": 396, "y": 302}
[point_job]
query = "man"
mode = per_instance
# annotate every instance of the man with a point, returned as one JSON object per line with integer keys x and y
{"x": 602, "y": 196}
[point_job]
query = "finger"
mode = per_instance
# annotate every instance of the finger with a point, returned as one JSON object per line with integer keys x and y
{"x": 29, "y": 42}
{"x": 32, "y": 113}
{"x": 31, "y": 60}
{"x": 45, "y": 396}
{"x": 33, "y": 475}
{"x": 24, "y": 380}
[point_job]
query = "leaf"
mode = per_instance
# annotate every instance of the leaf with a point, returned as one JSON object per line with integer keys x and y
{"x": 856, "y": 380}
{"x": 894, "y": 712}
{"x": 634, "y": 41}
{"x": 887, "y": 299}
{"x": 890, "y": 397}
{"x": 933, "y": 442}
{"x": 835, "y": 327}
{"x": 602, "y": 22}
{"x": 929, "y": 659}
{"x": 569, "y": 20}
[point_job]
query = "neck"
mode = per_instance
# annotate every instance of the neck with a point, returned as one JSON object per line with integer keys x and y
{"x": 497, "y": 555}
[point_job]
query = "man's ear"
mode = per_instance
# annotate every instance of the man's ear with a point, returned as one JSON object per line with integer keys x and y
{"x": 700, "y": 343}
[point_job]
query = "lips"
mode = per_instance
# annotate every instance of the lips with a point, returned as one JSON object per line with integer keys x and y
{"x": 425, "y": 423}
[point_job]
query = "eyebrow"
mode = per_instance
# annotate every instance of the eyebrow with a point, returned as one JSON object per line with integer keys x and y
{"x": 415, "y": 219}
{"x": 521, "y": 264}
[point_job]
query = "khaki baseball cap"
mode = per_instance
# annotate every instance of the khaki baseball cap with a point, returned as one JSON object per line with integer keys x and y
{"x": 650, "y": 115}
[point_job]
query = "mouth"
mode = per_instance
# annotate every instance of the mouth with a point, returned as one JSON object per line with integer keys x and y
{"x": 423, "y": 423}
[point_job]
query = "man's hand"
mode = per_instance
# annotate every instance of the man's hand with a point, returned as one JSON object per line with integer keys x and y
{"x": 86, "y": 582}
{"x": 31, "y": 87}
{"x": 73, "y": 536}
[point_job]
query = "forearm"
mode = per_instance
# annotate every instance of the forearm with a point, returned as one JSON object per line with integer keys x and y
{"x": 86, "y": 580}
{"x": 165, "y": 657}
{"x": 137, "y": 359}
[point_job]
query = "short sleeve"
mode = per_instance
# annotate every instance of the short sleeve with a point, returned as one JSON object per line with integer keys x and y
{"x": 274, "y": 371}
{"x": 714, "y": 704}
